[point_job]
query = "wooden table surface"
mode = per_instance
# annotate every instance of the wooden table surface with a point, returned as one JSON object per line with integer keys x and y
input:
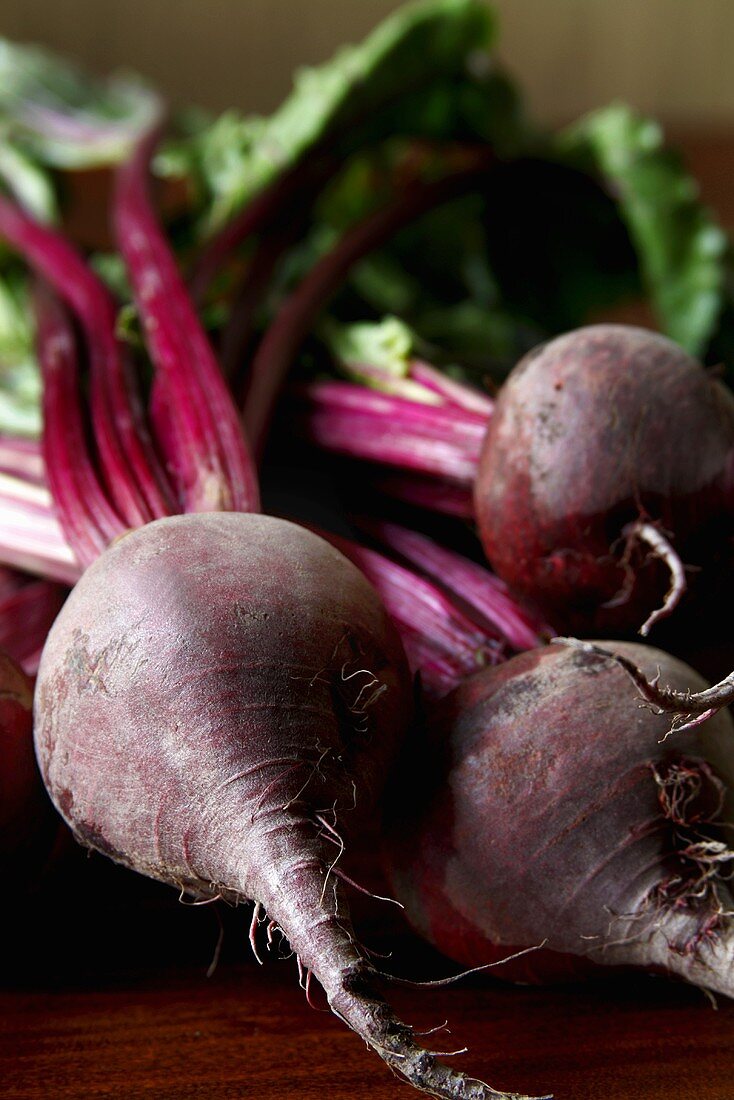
{"x": 249, "y": 1033}
{"x": 106, "y": 995}
{"x": 105, "y": 991}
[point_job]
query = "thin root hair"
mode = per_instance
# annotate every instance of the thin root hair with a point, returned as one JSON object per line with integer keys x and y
{"x": 314, "y": 771}
{"x": 254, "y": 925}
{"x": 331, "y": 867}
{"x": 195, "y": 903}
{"x": 433, "y": 1030}
{"x": 217, "y": 947}
{"x": 436, "y": 982}
{"x": 363, "y": 889}
{"x": 660, "y": 548}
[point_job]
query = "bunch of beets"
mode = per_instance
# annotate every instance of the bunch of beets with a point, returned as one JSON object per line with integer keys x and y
{"x": 225, "y": 696}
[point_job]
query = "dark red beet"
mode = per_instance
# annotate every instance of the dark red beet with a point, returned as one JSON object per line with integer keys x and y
{"x": 218, "y": 702}
{"x": 27, "y": 819}
{"x": 557, "y": 815}
{"x": 592, "y": 432}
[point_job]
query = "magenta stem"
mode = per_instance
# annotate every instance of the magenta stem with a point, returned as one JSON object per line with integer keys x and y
{"x": 131, "y": 472}
{"x": 22, "y": 458}
{"x": 31, "y": 537}
{"x": 210, "y": 459}
{"x": 455, "y": 393}
{"x": 443, "y": 644}
{"x": 441, "y": 440}
{"x": 11, "y": 581}
{"x": 434, "y": 494}
{"x": 483, "y": 594}
{"x": 253, "y": 290}
{"x": 88, "y": 520}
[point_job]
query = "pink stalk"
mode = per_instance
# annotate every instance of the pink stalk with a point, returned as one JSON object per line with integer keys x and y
{"x": 455, "y": 393}
{"x": 131, "y": 471}
{"x": 296, "y": 316}
{"x": 210, "y": 459}
{"x": 253, "y": 289}
{"x": 443, "y": 644}
{"x": 22, "y": 458}
{"x": 88, "y": 520}
{"x": 481, "y": 591}
{"x": 454, "y": 619}
{"x": 359, "y": 422}
{"x": 11, "y": 580}
{"x": 31, "y": 537}
{"x": 434, "y": 494}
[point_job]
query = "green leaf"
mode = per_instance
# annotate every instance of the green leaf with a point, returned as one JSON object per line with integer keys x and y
{"x": 29, "y": 184}
{"x": 20, "y": 382}
{"x": 386, "y": 345}
{"x": 418, "y": 43}
{"x": 409, "y": 76}
{"x": 680, "y": 247}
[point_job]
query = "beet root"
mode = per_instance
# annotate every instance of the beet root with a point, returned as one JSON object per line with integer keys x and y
{"x": 218, "y": 704}
{"x": 559, "y": 816}
{"x": 609, "y": 451}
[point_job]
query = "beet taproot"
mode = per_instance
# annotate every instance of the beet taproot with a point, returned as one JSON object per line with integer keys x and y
{"x": 218, "y": 703}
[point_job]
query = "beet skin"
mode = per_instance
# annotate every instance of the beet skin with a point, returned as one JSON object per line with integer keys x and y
{"x": 219, "y": 701}
{"x": 556, "y": 814}
{"x": 596, "y": 430}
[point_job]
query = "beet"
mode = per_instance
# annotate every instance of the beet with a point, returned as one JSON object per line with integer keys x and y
{"x": 594, "y": 434}
{"x": 218, "y": 702}
{"x": 27, "y": 820}
{"x": 556, "y": 814}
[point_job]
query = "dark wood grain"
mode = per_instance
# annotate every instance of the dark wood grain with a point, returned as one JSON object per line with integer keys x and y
{"x": 106, "y": 995}
{"x": 248, "y": 1032}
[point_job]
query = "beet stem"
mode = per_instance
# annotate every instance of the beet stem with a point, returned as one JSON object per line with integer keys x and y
{"x": 87, "y": 518}
{"x": 441, "y": 641}
{"x": 22, "y": 458}
{"x": 209, "y": 453}
{"x": 360, "y": 422}
{"x": 484, "y": 595}
{"x": 132, "y": 475}
{"x": 31, "y": 537}
{"x": 258, "y": 215}
{"x": 439, "y": 495}
{"x": 255, "y": 285}
{"x": 26, "y": 617}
